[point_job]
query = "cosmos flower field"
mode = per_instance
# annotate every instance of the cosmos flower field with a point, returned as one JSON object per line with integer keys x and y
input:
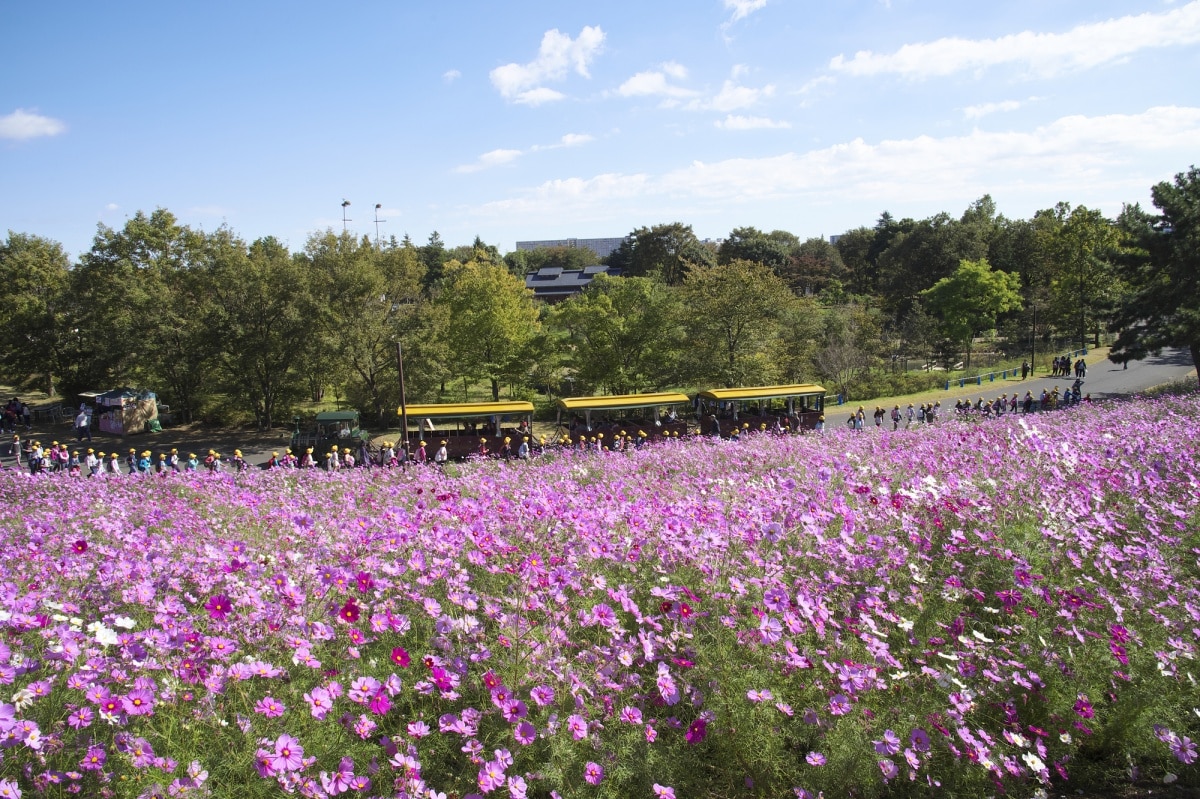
{"x": 960, "y": 610}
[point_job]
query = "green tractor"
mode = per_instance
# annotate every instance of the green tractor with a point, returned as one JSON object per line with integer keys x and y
{"x": 329, "y": 429}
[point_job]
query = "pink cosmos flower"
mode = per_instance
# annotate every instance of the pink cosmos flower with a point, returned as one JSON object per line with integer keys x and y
{"x": 400, "y": 657}
{"x": 839, "y": 705}
{"x": 593, "y": 773}
{"x": 525, "y": 733}
{"x": 320, "y": 702}
{"x": 218, "y": 607}
{"x": 139, "y": 702}
{"x": 663, "y": 791}
{"x": 889, "y": 770}
{"x": 94, "y": 759}
{"x": 577, "y": 726}
{"x": 269, "y": 707}
{"x": 1184, "y": 749}
{"x": 890, "y": 744}
{"x": 289, "y": 754}
{"x": 815, "y": 759}
{"x": 696, "y": 731}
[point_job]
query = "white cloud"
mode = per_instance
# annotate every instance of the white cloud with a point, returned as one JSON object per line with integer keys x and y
{"x": 654, "y": 83}
{"x": 576, "y": 139}
{"x": 112, "y": 207}
{"x": 22, "y": 124}
{"x": 1070, "y": 156}
{"x": 675, "y": 70}
{"x": 1043, "y": 54}
{"x": 557, "y": 55}
{"x": 501, "y": 157}
{"x": 567, "y": 140}
{"x": 732, "y": 97}
{"x": 984, "y": 109}
{"x": 743, "y": 8}
{"x": 451, "y": 75}
{"x": 735, "y": 122}
{"x": 488, "y": 160}
{"x": 537, "y": 96}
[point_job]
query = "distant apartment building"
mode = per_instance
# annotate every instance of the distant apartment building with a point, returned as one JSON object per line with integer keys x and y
{"x": 602, "y": 247}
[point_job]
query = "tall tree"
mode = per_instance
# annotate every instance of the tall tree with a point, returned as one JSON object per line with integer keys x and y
{"x": 34, "y": 279}
{"x": 969, "y": 300}
{"x": 623, "y": 332}
{"x": 732, "y": 322}
{"x": 434, "y": 257}
{"x": 140, "y": 311}
{"x": 812, "y": 266}
{"x": 751, "y": 244}
{"x": 669, "y": 251}
{"x": 924, "y": 254}
{"x": 263, "y": 307}
{"x": 492, "y": 318}
{"x": 1084, "y": 286}
{"x": 1162, "y": 308}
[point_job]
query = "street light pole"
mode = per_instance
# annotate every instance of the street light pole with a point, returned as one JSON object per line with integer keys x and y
{"x": 377, "y": 221}
{"x": 345, "y": 203}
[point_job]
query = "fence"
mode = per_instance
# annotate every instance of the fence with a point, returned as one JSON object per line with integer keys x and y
{"x": 1003, "y": 374}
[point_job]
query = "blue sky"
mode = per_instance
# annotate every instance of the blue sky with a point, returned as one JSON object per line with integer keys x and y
{"x": 536, "y": 120}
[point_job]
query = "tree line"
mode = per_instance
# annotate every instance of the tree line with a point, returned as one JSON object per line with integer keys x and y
{"x": 219, "y": 327}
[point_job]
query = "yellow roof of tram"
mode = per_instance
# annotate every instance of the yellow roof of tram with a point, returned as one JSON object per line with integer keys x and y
{"x": 449, "y": 410}
{"x": 618, "y": 401}
{"x": 761, "y": 392}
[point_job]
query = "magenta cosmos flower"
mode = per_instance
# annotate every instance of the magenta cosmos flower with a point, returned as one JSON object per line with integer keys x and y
{"x": 593, "y": 773}
{"x": 219, "y": 607}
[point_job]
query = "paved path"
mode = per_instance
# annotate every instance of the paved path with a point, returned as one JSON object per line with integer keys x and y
{"x": 1105, "y": 380}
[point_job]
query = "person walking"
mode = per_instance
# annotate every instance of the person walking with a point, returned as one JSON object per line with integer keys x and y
{"x": 83, "y": 424}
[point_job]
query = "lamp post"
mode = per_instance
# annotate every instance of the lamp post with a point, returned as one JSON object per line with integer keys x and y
{"x": 345, "y": 204}
{"x": 377, "y": 222}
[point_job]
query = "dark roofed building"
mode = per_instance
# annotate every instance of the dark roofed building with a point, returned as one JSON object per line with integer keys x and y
{"x": 553, "y": 283}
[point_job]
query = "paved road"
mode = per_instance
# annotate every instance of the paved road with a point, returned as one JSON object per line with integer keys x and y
{"x": 1105, "y": 380}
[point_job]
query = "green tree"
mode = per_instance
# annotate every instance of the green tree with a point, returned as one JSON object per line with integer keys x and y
{"x": 969, "y": 300}
{"x": 813, "y": 266}
{"x": 923, "y": 254}
{"x": 263, "y": 308}
{"x": 139, "y": 306}
{"x": 434, "y": 257}
{"x": 1162, "y": 308}
{"x": 1084, "y": 286}
{"x": 668, "y": 250}
{"x": 850, "y": 346}
{"x": 34, "y": 281}
{"x": 491, "y": 320}
{"x": 732, "y": 323}
{"x": 622, "y": 332}
{"x": 751, "y": 244}
{"x": 855, "y": 248}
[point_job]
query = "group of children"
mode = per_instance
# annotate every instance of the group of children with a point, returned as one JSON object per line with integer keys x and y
{"x": 60, "y": 459}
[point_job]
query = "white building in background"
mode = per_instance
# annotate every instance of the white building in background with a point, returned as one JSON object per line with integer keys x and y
{"x": 602, "y": 247}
